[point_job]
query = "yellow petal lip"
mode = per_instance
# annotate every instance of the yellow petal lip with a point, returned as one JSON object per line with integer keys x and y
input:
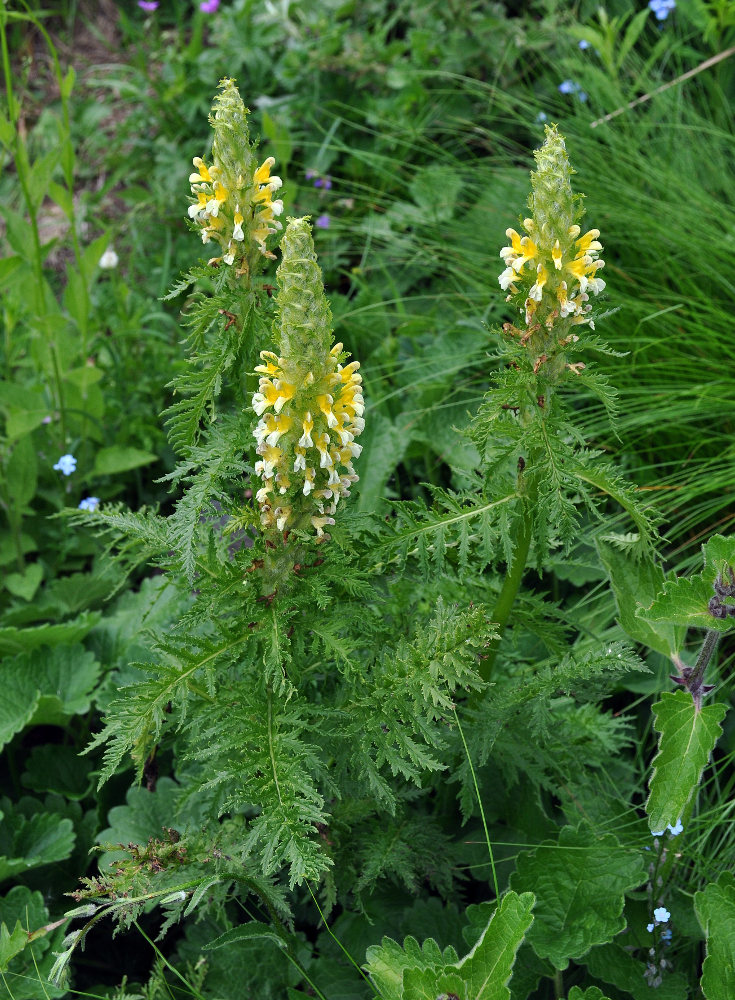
{"x": 262, "y": 174}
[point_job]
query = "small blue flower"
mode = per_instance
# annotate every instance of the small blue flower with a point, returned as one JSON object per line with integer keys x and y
{"x": 571, "y": 87}
{"x": 657, "y": 833}
{"x": 89, "y": 503}
{"x": 584, "y": 44}
{"x": 541, "y": 117}
{"x": 66, "y": 464}
{"x": 662, "y": 8}
{"x": 677, "y": 828}
{"x": 661, "y": 915}
{"x": 649, "y": 928}
{"x": 322, "y": 221}
{"x": 666, "y": 934}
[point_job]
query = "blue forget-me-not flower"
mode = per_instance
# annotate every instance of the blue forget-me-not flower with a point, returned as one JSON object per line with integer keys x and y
{"x": 66, "y": 464}
{"x": 662, "y": 8}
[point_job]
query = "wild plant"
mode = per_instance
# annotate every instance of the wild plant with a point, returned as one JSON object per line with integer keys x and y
{"x": 340, "y": 691}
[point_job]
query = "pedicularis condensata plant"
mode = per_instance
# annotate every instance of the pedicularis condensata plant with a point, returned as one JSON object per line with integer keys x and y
{"x": 326, "y": 673}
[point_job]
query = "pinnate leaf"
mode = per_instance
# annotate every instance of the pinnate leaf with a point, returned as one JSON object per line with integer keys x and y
{"x": 688, "y": 736}
{"x": 715, "y": 909}
{"x": 580, "y": 884}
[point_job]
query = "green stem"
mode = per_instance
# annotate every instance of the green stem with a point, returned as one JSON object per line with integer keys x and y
{"x": 558, "y": 984}
{"x": 506, "y": 597}
{"x": 15, "y": 521}
{"x": 22, "y": 167}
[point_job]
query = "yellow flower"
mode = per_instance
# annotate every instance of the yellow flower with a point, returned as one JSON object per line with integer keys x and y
{"x": 564, "y": 263}
{"x": 233, "y": 201}
{"x": 309, "y": 402}
{"x": 297, "y": 436}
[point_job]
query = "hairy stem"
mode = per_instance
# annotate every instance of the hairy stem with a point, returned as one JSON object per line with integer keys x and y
{"x": 506, "y": 597}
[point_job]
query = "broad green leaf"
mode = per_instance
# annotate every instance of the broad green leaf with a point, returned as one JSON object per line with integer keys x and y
{"x": 59, "y": 769}
{"x": 29, "y": 839}
{"x": 76, "y": 299}
{"x": 21, "y": 472}
{"x": 116, "y": 459}
{"x": 488, "y": 967}
{"x": 425, "y": 972}
{"x": 25, "y": 976}
{"x": 580, "y": 885}
{"x": 17, "y": 707}
{"x": 684, "y": 601}
{"x": 45, "y": 687}
{"x": 25, "y": 408}
{"x": 9, "y": 545}
{"x": 25, "y": 584}
{"x": 16, "y": 640}
{"x": 616, "y": 966}
{"x": 387, "y": 962}
{"x": 85, "y": 376}
{"x": 430, "y": 984}
{"x": 91, "y": 257}
{"x": 67, "y": 83}
{"x": 715, "y": 909}
{"x": 11, "y": 944}
{"x": 688, "y": 736}
{"x": 8, "y": 267}
{"x": 635, "y": 583}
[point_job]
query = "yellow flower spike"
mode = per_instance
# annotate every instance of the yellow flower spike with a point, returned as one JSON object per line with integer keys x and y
{"x": 306, "y": 385}
{"x": 563, "y": 262}
{"x": 234, "y": 202}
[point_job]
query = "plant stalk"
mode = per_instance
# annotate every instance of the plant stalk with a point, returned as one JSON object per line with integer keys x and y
{"x": 506, "y": 597}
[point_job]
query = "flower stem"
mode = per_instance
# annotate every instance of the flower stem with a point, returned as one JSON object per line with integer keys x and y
{"x": 712, "y": 637}
{"x": 506, "y": 597}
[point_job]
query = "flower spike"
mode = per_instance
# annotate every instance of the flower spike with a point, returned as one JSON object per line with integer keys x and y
{"x": 551, "y": 271}
{"x": 233, "y": 198}
{"x": 310, "y": 404}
